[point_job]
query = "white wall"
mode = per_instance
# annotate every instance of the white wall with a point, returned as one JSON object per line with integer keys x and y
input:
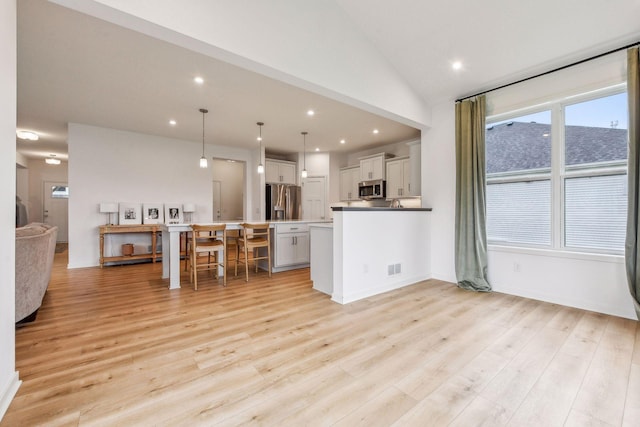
{"x": 9, "y": 382}
{"x": 39, "y": 172}
{"x": 366, "y": 243}
{"x": 108, "y": 165}
{"x": 438, "y": 162}
{"x": 305, "y": 45}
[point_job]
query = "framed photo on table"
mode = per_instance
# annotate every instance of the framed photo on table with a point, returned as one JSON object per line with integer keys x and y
{"x": 173, "y": 213}
{"x": 152, "y": 213}
{"x": 130, "y": 213}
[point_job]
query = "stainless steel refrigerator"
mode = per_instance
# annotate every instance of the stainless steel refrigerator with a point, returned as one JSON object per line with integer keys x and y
{"x": 283, "y": 202}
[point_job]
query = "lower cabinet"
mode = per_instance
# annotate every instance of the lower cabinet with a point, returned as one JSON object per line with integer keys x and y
{"x": 291, "y": 246}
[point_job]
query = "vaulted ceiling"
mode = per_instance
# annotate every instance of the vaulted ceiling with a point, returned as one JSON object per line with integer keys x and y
{"x": 77, "y": 68}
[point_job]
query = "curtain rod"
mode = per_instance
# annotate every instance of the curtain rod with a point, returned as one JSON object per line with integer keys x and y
{"x": 551, "y": 71}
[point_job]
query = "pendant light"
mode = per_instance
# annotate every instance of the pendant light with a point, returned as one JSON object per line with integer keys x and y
{"x": 203, "y": 159}
{"x": 260, "y": 166}
{"x": 304, "y": 154}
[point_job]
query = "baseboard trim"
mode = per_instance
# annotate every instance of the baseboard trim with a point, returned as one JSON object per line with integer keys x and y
{"x": 9, "y": 393}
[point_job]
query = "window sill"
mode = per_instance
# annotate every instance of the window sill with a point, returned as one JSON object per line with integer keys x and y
{"x": 552, "y": 253}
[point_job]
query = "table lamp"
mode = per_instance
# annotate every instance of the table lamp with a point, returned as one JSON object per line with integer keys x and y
{"x": 188, "y": 208}
{"x": 109, "y": 208}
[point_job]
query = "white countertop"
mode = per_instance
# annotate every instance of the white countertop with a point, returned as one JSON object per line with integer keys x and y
{"x": 321, "y": 225}
{"x": 236, "y": 223}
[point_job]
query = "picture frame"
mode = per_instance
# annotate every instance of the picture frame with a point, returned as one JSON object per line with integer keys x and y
{"x": 152, "y": 213}
{"x": 173, "y": 213}
{"x": 130, "y": 214}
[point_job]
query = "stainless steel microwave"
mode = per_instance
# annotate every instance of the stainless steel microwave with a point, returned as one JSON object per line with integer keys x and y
{"x": 375, "y": 189}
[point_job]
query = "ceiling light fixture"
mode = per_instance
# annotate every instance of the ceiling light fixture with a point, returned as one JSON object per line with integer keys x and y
{"x": 52, "y": 160}
{"x": 260, "y": 166}
{"x": 342, "y": 141}
{"x": 376, "y": 131}
{"x": 317, "y": 149}
{"x": 203, "y": 159}
{"x": 303, "y": 174}
{"x": 199, "y": 80}
{"x": 172, "y": 122}
{"x": 27, "y": 134}
{"x": 310, "y": 113}
{"x": 457, "y": 65}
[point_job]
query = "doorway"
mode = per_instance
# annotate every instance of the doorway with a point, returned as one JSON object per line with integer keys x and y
{"x": 314, "y": 197}
{"x": 228, "y": 190}
{"x": 56, "y": 207}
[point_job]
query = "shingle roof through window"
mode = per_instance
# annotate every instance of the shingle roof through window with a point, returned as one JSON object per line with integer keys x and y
{"x": 518, "y": 146}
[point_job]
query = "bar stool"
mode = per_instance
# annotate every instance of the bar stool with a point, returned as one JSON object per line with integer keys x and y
{"x": 232, "y": 245}
{"x": 205, "y": 240}
{"x": 254, "y": 237}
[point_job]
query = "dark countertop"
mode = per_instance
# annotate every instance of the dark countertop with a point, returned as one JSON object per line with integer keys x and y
{"x": 377, "y": 209}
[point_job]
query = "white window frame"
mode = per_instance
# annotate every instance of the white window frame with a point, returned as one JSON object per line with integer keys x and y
{"x": 558, "y": 173}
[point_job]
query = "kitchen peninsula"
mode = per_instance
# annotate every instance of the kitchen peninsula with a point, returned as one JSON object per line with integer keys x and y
{"x": 375, "y": 250}
{"x": 171, "y": 245}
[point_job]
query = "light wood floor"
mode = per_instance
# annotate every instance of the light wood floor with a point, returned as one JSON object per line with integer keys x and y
{"x": 116, "y": 347}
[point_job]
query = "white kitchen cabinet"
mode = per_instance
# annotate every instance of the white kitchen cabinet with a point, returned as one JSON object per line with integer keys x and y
{"x": 372, "y": 167}
{"x": 291, "y": 246}
{"x": 349, "y": 178}
{"x": 399, "y": 178}
{"x": 280, "y": 172}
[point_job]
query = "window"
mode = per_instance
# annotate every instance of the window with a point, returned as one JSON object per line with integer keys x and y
{"x": 556, "y": 177}
{"x": 59, "y": 192}
{"x": 518, "y": 156}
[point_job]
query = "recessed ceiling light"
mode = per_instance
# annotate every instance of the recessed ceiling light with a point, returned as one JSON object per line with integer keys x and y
{"x": 26, "y": 134}
{"x": 198, "y": 80}
{"x": 376, "y": 131}
{"x": 172, "y": 122}
{"x": 317, "y": 149}
{"x": 457, "y": 65}
{"x": 342, "y": 141}
{"x": 310, "y": 113}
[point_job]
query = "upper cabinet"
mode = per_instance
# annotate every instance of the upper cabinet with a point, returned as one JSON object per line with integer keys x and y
{"x": 372, "y": 167}
{"x": 349, "y": 178}
{"x": 280, "y": 172}
{"x": 403, "y": 174}
{"x": 398, "y": 178}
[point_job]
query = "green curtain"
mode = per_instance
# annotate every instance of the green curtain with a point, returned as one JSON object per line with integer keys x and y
{"x": 633, "y": 214}
{"x": 471, "y": 232}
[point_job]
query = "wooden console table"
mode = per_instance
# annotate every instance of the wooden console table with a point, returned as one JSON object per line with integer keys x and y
{"x": 154, "y": 229}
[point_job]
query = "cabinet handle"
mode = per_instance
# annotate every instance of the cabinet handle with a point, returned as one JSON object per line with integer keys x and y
{"x": 409, "y": 185}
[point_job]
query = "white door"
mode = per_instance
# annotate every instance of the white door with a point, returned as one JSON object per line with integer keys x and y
{"x": 56, "y": 207}
{"x": 217, "y": 200}
{"x": 313, "y": 197}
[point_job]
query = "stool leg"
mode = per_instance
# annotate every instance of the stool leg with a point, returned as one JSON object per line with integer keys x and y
{"x": 246, "y": 264}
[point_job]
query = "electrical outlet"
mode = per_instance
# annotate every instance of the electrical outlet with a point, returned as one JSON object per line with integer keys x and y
{"x": 397, "y": 268}
{"x": 516, "y": 267}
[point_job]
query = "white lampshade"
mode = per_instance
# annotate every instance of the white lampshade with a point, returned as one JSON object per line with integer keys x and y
{"x": 203, "y": 162}
{"x": 188, "y": 207}
{"x": 304, "y": 173}
{"x": 108, "y": 207}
